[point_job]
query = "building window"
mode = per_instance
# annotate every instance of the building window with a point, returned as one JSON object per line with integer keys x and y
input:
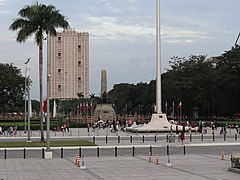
{"x": 79, "y": 46}
{"x": 59, "y": 38}
{"x": 59, "y": 54}
{"x": 79, "y": 63}
{"x": 59, "y": 87}
{"x": 59, "y": 71}
{"x": 79, "y": 78}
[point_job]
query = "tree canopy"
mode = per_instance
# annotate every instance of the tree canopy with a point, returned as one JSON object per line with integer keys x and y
{"x": 209, "y": 86}
{"x": 12, "y": 85}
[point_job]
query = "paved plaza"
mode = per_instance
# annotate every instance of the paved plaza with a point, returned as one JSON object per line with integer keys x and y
{"x": 189, "y": 166}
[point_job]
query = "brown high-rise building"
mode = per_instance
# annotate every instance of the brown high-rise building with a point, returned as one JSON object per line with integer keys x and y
{"x": 68, "y": 54}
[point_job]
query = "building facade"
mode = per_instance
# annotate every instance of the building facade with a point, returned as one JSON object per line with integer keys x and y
{"x": 68, "y": 55}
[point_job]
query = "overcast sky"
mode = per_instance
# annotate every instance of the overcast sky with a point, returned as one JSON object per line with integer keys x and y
{"x": 122, "y": 35}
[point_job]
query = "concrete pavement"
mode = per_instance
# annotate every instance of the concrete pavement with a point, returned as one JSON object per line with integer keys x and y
{"x": 198, "y": 167}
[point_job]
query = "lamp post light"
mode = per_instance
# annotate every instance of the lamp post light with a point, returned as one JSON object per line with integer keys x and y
{"x": 48, "y": 152}
{"x": 27, "y": 91}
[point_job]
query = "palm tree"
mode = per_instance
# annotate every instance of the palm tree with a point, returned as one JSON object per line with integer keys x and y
{"x": 40, "y": 20}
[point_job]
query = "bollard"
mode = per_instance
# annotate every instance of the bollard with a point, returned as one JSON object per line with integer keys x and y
{"x": 133, "y": 151}
{"x": 5, "y": 153}
{"x": 156, "y": 159}
{"x": 155, "y": 138}
{"x": 80, "y": 152}
{"x": 61, "y": 152}
{"x": 43, "y": 153}
{"x": 235, "y": 137}
{"x": 190, "y": 138}
{"x": 118, "y": 139}
{"x": 167, "y": 150}
{"x": 184, "y": 150}
{"x": 83, "y": 166}
{"x": 150, "y": 149}
{"x": 224, "y": 137}
{"x": 167, "y": 138}
{"x": 169, "y": 162}
{"x": 24, "y": 153}
{"x": 131, "y": 139}
{"x": 213, "y": 136}
{"x": 97, "y": 151}
{"x": 202, "y": 137}
{"x": 150, "y": 157}
{"x": 94, "y": 140}
{"x": 106, "y": 139}
{"x": 143, "y": 138}
{"x": 115, "y": 151}
{"x": 222, "y": 158}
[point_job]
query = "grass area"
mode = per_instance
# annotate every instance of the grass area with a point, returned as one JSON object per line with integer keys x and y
{"x": 44, "y": 144}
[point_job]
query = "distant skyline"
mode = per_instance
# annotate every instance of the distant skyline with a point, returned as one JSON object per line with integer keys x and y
{"x": 122, "y": 35}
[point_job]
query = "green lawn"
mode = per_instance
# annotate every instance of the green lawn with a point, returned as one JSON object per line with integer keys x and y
{"x": 44, "y": 144}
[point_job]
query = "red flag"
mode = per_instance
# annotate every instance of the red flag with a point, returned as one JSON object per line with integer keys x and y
{"x": 81, "y": 106}
{"x": 91, "y": 106}
{"x": 180, "y": 104}
{"x": 44, "y": 108}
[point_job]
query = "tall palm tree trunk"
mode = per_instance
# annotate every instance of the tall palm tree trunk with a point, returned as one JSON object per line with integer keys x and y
{"x": 40, "y": 84}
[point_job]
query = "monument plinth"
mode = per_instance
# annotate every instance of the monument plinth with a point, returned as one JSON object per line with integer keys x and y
{"x": 104, "y": 111}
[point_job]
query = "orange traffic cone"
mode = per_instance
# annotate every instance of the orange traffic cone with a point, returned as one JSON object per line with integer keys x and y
{"x": 156, "y": 159}
{"x": 76, "y": 157}
{"x": 78, "y": 161}
{"x": 150, "y": 157}
{"x": 222, "y": 155}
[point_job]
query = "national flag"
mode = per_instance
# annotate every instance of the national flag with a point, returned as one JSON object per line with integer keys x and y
{"x": 54, "y": 108}
{"x": 81, "y": 106}
{"x": 91, "y": 106}
{"x": 86, "y": 105}
{"x": 180, "y": 105}
{"x": 27, "y": 71}
{"x": 30, "y": 108}
{"x": 44, "y": 108}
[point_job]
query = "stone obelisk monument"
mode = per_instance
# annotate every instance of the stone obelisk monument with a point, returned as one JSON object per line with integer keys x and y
{"x": 103, "y": 81}
{"x": 104, "y": 111}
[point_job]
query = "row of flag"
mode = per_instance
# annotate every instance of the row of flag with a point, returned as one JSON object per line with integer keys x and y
{"x": 166, "y": 106}
{"x": 82, "y": 107}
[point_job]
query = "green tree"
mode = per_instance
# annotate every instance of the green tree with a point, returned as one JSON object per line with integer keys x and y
{"x": 38, "y": 19}
{"x": 11, "y": 88}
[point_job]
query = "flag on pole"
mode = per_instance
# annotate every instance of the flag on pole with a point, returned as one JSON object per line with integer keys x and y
{"x": 30, "y": 107}
{"x": 54, "y": 108}
{"x": 27, "y": 71}
{"x": 44, "y": 108}
{"x": 180, "y": 105}
{"x": 91, "y": 106}
{"x": 86, "y": 105}
{"x": 166, "y": 107}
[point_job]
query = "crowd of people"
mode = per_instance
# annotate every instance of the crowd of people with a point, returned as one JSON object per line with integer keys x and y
{"x": 10, "y": 130}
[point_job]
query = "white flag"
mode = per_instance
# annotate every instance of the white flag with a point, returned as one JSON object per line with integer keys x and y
{"x": 27, "y": 71}
{"x": 54, "y": 108}
{"x": 30, "y": 108}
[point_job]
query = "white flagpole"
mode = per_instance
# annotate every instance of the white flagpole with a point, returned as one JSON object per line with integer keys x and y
{"x": 158, "y": 61}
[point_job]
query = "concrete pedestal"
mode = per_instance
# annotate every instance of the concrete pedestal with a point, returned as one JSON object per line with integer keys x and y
{"x": 48, "y": 154}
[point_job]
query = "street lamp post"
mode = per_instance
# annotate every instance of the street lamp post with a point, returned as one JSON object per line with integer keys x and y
{"x": 48, "y": 153}
{"x": 27, "y": 91}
